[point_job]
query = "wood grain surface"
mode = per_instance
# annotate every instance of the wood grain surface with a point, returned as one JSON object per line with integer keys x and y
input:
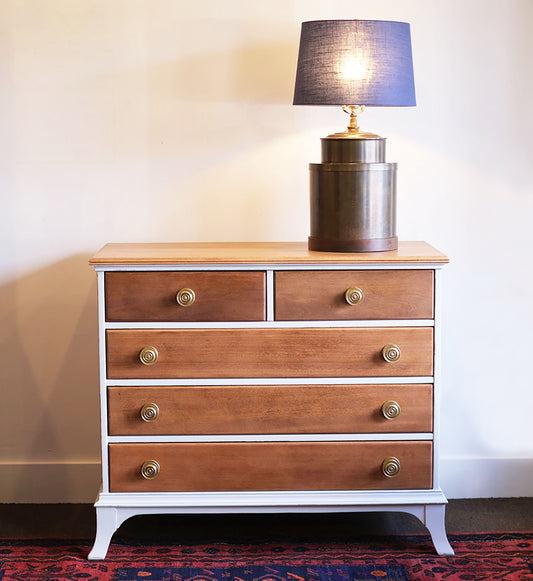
{"x": 257, "y": 253}
{"x": 270, "y": 466}
{"x": 151, "y": 296}
{"x": 320, "y": 295}
{"x": 269, "y": 352}
{"x": 270, "y": 409}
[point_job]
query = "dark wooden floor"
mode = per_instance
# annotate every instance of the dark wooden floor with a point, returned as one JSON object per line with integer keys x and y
{"x": 77, "y": 521}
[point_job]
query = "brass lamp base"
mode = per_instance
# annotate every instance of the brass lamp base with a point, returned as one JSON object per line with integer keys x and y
{"x": 360, "y": 245}
{"x": 353, "y": 194}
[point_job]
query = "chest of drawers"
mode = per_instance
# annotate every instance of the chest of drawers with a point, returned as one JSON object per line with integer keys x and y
{"x": 265, "y": 378}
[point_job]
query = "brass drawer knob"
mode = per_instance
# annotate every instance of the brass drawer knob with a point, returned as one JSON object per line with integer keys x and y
{"x": 390, "y": 467}
{"x": 149, "y": 412}
{"x": 185, "y": 297}
{"x": 391, "y": 353}
{"x": 150, "y": 469}
{"x": 148, "y": 355}
{"x": 391, "y": 410}
{"x": 354, "y": 296}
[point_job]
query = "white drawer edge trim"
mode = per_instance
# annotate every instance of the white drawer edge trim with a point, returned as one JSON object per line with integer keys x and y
{"x": 270, "y": 381}
{"x": 265, "y": 267}
{"x": 274, "y": 324}
{"x": 273, "y": 438}
{"x": 269, "y": 298}
{"x": 248, "y": 501}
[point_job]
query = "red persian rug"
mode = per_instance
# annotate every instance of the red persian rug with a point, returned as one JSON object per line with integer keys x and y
{"x": 488, "y": 557}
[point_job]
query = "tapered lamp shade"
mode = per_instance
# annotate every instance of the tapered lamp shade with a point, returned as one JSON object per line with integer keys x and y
{"x": 355, "y": 62}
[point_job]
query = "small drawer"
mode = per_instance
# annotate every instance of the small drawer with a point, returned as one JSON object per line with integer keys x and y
{"x": 185, "y": 296}
{"x": 354, "y": 295}
{"x": 280, "y": 352}
{"x": 248, "y": 466}
{"x": 270, "y": 409}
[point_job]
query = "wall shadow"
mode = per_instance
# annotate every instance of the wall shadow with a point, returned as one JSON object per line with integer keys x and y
{"x": 49, "y": 379}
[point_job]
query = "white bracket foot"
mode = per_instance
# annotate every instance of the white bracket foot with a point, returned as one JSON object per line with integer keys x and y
{"x": 108, "y": 519}
{"x": 434, "y": 521}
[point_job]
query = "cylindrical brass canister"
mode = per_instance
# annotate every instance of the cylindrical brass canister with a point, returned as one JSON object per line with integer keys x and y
{"x": 353, "y": 197}
{"x": 345, "y": 150}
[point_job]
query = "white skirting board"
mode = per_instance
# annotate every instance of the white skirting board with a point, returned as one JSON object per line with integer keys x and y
{"x": 486, "y": 477}
{"x": 79, "y": 482}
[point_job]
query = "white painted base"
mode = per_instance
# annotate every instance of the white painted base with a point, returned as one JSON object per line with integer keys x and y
{"x": 113, "y": 509}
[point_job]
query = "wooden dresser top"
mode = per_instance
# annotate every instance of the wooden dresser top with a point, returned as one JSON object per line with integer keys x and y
{"x": 256, "y": 253}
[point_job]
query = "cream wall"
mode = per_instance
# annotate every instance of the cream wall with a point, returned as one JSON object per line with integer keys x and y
{"x": 166, "y": 120}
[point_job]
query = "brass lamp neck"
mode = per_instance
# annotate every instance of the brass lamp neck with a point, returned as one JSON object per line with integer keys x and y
{"x": 353, "y": 131}
{"x": 353, "y": 111}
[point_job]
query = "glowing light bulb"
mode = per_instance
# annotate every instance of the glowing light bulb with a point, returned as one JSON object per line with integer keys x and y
{"x": 353, "y": 70}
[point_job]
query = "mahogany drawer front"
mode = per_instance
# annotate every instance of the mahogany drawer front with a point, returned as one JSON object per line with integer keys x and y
{"x": 269, "y": 466}
{"x": 269, "y": 409}
{"x": 386, "y": 294}
{"x": 267, "y": 352}
{"x": 152, "y": 296}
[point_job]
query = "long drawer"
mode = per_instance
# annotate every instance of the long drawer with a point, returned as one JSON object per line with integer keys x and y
{"x": 270, "y": 466}
{"x": 353, "y": 294}
{"x": 268, "y": 352}
{"x": 185, "y": 296}
{"x": 270, "y": 409}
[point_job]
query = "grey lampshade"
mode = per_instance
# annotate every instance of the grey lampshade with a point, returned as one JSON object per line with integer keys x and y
{"x": 355, "y": 62}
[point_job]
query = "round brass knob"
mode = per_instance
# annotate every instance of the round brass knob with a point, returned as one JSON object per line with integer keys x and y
{"x": 148, "y": 355}
{"x": 390, "y": 467}
{"x": 149, "y": 412}
{"x": 391, "y": 409}
{"x": 391, "y": 353}
{"x": 185, "y": 297}
{"x": 150, "y": 469}
{"x": 354, "y": 296}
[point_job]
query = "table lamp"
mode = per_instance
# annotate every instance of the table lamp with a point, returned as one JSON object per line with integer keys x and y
{"x": 354, "y": 64}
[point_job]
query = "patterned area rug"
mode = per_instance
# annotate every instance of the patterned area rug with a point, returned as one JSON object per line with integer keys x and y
{"x": 488, "y": 557}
